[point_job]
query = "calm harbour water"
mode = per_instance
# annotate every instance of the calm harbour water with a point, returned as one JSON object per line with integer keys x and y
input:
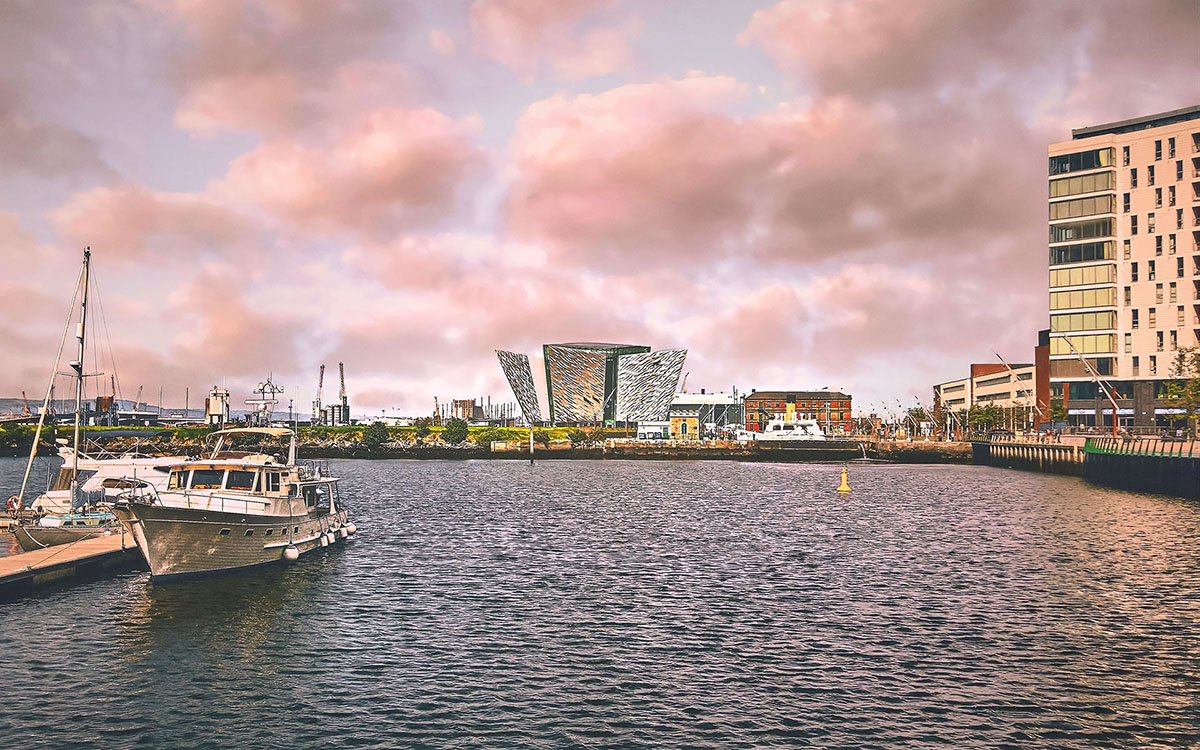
{"x": 647, "y": 604}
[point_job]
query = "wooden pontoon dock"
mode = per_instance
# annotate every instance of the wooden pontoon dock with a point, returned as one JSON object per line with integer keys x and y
{"x": 22, "y": 574}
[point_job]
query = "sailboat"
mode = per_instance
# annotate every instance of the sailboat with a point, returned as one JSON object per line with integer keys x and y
{"x": 69, "y": 510}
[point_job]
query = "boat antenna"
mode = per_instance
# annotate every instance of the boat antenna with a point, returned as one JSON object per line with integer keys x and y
{"x": 37, "y": 434}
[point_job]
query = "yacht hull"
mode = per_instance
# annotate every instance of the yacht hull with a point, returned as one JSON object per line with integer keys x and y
{"x": 180, "y": 543}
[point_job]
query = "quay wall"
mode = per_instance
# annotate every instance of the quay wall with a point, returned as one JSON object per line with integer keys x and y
{"x": 1049, "y": 458}
{"x": 1146, "y": 465}
{"x": 1168, "y": 467}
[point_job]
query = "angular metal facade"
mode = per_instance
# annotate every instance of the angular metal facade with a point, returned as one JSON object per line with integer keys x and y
{"x": 646, "y": 384}
{"x": 520, "y": 379}
{"x": 576, "y": 383}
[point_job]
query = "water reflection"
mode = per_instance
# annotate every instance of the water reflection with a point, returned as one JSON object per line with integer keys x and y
{"x": 651, "y": 604}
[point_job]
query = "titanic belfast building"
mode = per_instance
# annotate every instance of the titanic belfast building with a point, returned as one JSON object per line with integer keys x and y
{"x": 589, "y": 382}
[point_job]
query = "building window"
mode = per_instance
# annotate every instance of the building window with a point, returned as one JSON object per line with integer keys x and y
{"x": 1150, "y": 175}
{"x": 1081, "y": 161}
{"x": 1179, "y": 316}
{"x": 1150, "y": 222}
{"x": 1100, "y": 204}
{"x": 1133, "y": 319}
{"x": 1173, "y": 292}
{"x": 1158, "y": 197}
{"x": 1128, "y": 295}
{"x": 1128, "y": 249}
{"x": 1153, "y": 365}
{"x": 1179, "y": 170}
{"x": 1081, "y": 230}
{"x": 1158, "y": 293}
{"x": 1125, "y": 156}
{"x": 1174, "y": 341}
{"x": 1099, "y": 297}
{"x": 1133, "y": 271}
{"x": 1133, "y": 177}
{"x": 1158, "y": 245}
{"x": 1159, "y": 337}
{"x": 1179, "y": 268}
{"x": 1135, "y": 365}
{"x": 1133, "y": 224}
{"x": 1150, "y": 275}
{"x": 1088, "y": 183}
{"x": 1170, "y": 195}
{"x": 1086, "y": 275}
{"x": 1153, "y": 317}
{"x": 1125, "y": 202}
{"x": 1158, "y": 150}
{"x": 1128, "y": 343}
{"x": 1170, "y": 148}
{"x": 1179, "y": 218}
{"x": 1171, "y": 244}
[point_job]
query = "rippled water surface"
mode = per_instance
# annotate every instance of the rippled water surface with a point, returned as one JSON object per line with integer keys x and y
{"x": 648, "y": 604}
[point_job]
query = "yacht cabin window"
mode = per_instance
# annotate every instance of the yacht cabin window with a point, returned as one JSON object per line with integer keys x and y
{"x": 240, "y": 480}
{"x": 207, "y": 479}
{"x": 177, "y": 480}
{"x": 272, "y": 481}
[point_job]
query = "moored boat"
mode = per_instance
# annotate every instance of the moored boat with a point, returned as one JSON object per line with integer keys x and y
{"x": 63, "y": 528}
{"x": 232, "y": 510}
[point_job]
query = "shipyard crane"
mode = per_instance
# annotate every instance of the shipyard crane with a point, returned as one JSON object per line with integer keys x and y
{"x": 137, "y": 400}
{"x": 26, "y": 399}
{"x": 345, "y": 404}
{"x": 318, "y": 417}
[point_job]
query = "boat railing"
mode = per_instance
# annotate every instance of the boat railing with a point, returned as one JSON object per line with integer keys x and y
{"x": 313, "y": 469}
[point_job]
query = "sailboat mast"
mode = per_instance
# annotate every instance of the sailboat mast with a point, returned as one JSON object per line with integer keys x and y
{"x": 78, "y": 364}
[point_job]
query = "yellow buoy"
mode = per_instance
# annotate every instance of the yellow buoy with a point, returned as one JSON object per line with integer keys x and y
{"x": 845, "y": 485}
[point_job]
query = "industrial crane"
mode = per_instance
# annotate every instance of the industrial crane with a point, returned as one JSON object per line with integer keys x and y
{"x": 26, "y": 398}
{"x": 319, "y": 418}
{"x": 345, "y": 404}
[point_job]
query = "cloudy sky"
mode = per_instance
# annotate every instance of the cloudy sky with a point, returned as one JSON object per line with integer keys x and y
{"x": 806, "y": 193}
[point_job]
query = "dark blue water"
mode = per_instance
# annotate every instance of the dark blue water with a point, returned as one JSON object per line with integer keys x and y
{"x": 646, "y": 604}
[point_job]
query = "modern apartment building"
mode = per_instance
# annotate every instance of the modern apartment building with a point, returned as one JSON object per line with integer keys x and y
{"x": 1013, "y": 388}
{"x": 1124, "y": 232}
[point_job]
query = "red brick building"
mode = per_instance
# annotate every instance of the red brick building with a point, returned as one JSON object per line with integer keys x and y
{"x": 831, "y": 409}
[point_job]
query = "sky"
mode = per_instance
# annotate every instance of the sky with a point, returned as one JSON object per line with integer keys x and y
{"x": 804, "y": 194}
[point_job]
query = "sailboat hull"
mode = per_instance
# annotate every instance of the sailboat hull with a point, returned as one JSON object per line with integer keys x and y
{"x": 32, "y": 538}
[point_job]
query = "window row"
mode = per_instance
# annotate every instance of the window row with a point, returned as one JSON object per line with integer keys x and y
{"x": 1105, "y": 297}
{"x": 1080, "y": 253}
{"x": 1089, "y": 183}
{"x": 1092, "y": 321}
{"x": 1099, "y": 204}
{"x": 1099, "y": 343}
{"x": 1081, "y": 230}
{"x": 1083, "y": 160}
{"x": 1105, "y": 274}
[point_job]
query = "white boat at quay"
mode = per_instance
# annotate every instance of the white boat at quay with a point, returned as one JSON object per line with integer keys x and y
{"x": 233, "y": 510}
{"x": 783, "y": 429}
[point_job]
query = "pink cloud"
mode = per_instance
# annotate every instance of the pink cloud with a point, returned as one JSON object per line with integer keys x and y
{"x": 387, "y": 167}
{"x": 441, "y": 43}
{"x": 131, "y": 221}
{"x": 267, "y": 65}
{"x": 524, "y": 34}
